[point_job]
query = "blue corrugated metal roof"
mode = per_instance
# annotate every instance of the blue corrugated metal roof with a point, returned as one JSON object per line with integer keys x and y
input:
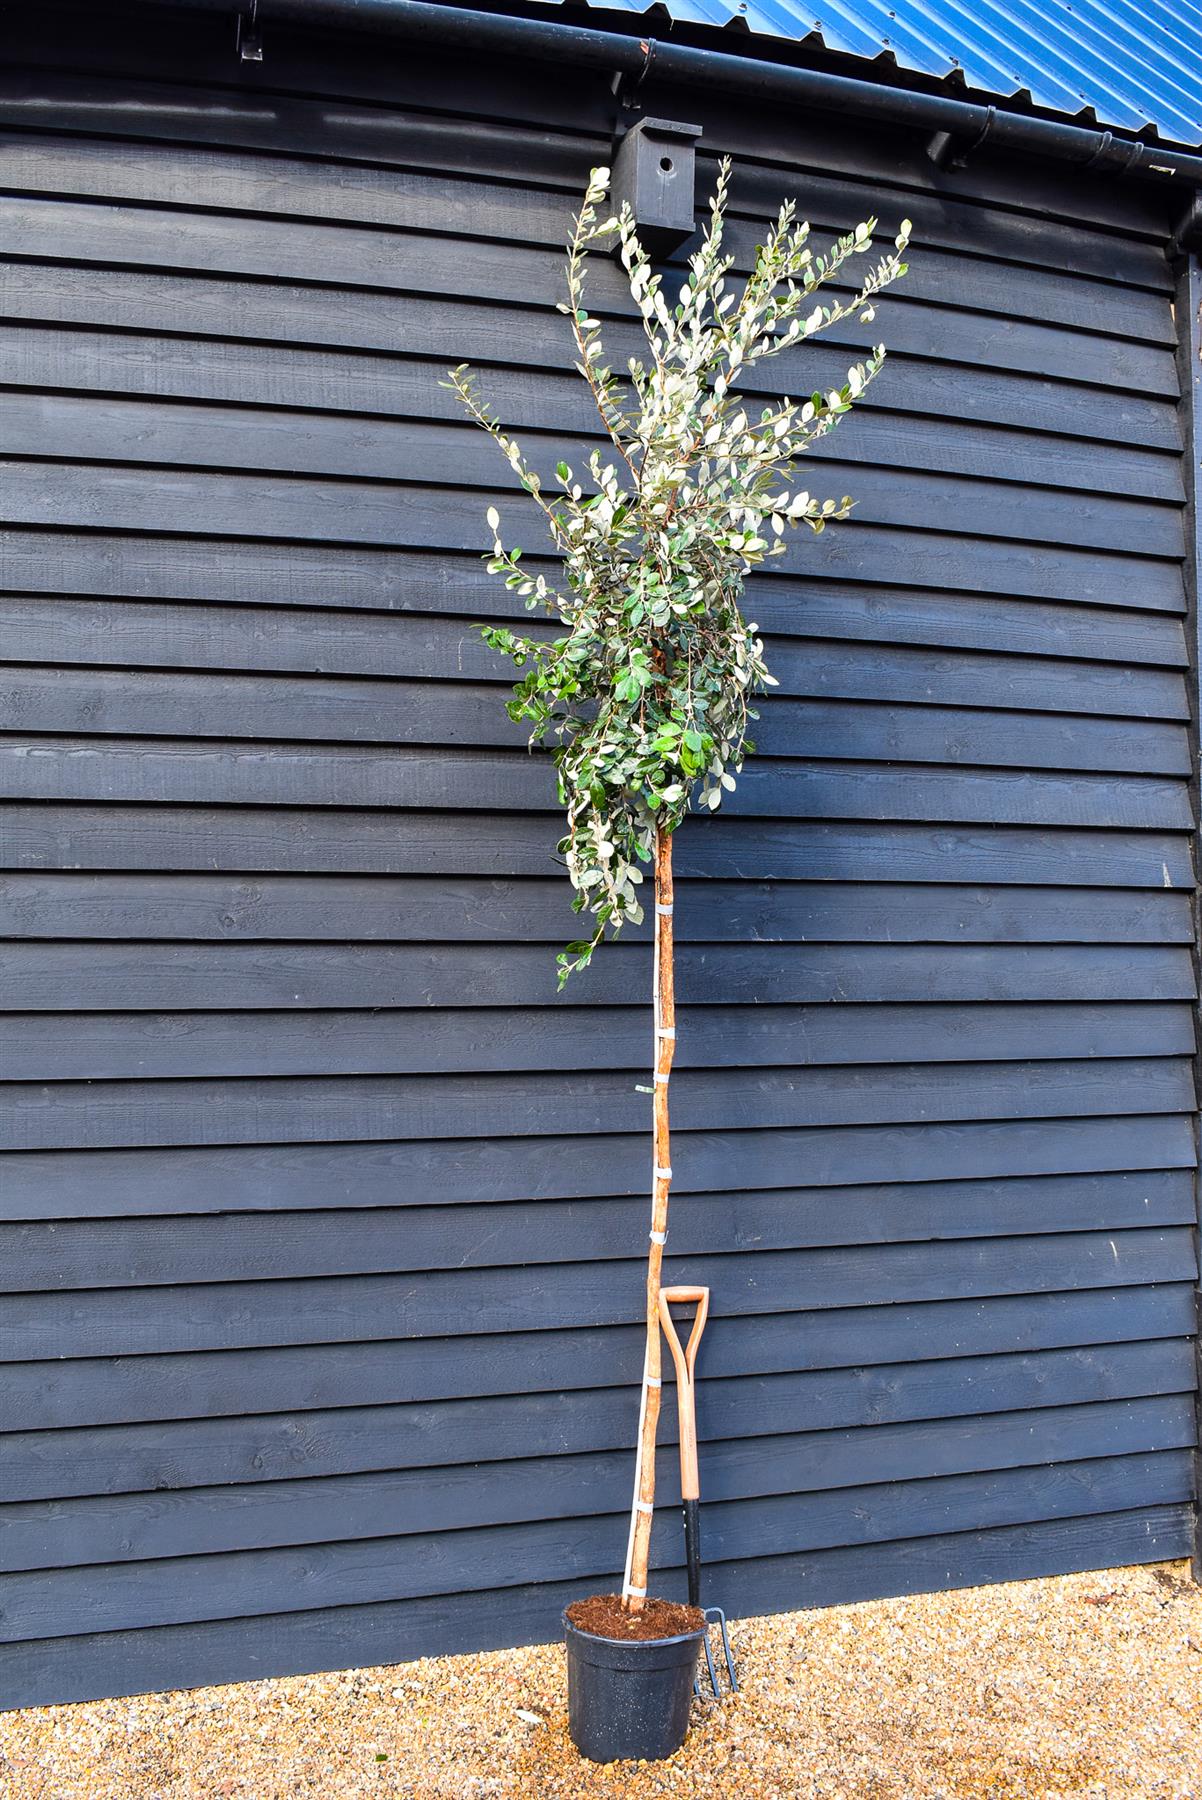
{"x": 1132, "y": 64}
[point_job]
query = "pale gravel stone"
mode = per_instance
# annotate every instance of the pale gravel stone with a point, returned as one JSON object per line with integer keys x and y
{"x": 1086, "y": 1687}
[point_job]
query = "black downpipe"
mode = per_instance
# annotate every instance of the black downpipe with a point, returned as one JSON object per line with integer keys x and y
{"x": 539, "y": 40}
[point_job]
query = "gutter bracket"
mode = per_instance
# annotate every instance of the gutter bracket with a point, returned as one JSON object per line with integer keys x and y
{"x": 947, "y": 151}
{"x": 625, "y": 87}
{"x": 1102, "y": 152}
{"x": 655, "y": 174}
{"x": 1118, "y": 154}
{"x": 248, "y": 38}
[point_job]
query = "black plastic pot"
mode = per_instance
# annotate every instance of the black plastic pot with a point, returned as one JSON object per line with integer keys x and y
{"x": 631, "y": 1699}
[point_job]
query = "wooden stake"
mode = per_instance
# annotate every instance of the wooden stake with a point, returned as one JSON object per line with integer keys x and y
{"x": 634, "y": 1587}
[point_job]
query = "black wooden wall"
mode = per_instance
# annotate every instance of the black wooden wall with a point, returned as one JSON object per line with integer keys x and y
{"x": 323, "y": 1217}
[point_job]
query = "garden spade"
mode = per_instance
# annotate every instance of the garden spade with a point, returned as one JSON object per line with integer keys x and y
{"x": 685, "y": 1359}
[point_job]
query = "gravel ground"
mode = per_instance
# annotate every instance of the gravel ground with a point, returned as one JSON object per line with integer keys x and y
{"x": 1088, "y": 1685}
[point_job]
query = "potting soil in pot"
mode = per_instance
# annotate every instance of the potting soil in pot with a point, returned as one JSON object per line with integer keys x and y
{"x": 603, "y": 1615}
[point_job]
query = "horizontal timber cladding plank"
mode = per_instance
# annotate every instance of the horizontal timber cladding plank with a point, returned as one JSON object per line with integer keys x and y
{"x": 774, "y": 134}
{"x": 1000, "y": 1354}
{"x": 138, "y": 1527}
{"x": 367, "y": 909}
{"x": 875, "y": 1346}
{"x": 90, "y": 1184}
{"x": 75, "y": 1046}
{"x": 1099, "y": 325}
{"x": 219, "y": 1315}
{"x": 905, "y": 498}
{"x": 44, "y": 98}
{"x": 1042, "y": 304}
{"x": 355, "y": 370}
{"x": 286, "y": 711}
{"x": 125, "y": 434}
{"x": 137, "y": 1252}
{"x": 465, "y": 779}
{"x": 306, "y": 1109}
{"x": 524, "y": 208}
{"x": 113, "y": 977}
{"x": 290, "y": 840}
{"x": 328, "y": 442}
{"x": 758, "y": 189}
{"x": 341, "y": 579}
{"x": 415, "y": 648}
{"x": 146, "y": 1182}
{"x": 1037, "y": 548}
{"x": 304, "y": 642}
{"x": 1088, "y": 439}
{"x": 325, "y": 347}
{"x": 407, "y": 576}
{"x": 883, "y": 496}
{"x": 69, "y": 1602}
{"x": 238, "y": 1446}
{"x": 440, "y": 254}
{"x": 891, "y": 615}
{"x": 57, "y": 1669}
{"x": 528, "y": 374}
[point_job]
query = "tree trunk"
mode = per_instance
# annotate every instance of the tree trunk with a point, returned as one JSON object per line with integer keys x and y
{"x": 634, "y": 1587}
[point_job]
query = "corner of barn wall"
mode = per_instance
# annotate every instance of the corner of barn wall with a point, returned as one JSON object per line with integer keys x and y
{"x": 1188, "y": 316}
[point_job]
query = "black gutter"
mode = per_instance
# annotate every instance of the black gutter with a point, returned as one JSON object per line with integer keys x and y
{"x": 950, "y": 122}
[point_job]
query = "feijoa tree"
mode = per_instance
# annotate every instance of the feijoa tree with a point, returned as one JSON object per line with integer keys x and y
{"x": 645, "y": 697}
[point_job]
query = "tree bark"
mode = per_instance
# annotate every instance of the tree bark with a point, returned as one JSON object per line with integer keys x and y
{"x": 634, "y": 1587}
